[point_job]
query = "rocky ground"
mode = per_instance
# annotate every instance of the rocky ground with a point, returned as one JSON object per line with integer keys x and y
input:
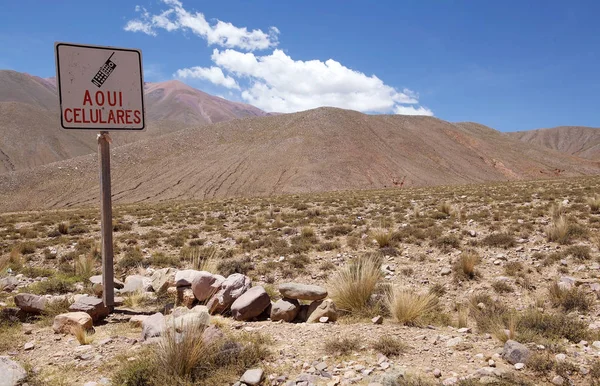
{"x": 534, "y": 280}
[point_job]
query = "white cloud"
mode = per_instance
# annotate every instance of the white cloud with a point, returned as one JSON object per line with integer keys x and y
{"x": 275, "y": 82}
{"x": 411, "y": 110}
{"x": 213, "y": 74}
{"x": 221, "y": 33}
{"x": 279, "y": 83}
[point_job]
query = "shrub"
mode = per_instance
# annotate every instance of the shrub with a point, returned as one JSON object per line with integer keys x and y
{"x": 502, "y": 287}
{"x": 382, "y": 237}
{"x": 594, "y": 203}
{"x": 464, "y": 268}
{"x": 499, "y": 240}
{"x": 563, "y": 232}
{"x": 445, "y": 208}
{"x": 59, "y": 284}
{"x": 230, "y": 266}
{"x": 580, "y": 252}
{"x": 389, "y": 346}
{"x": 541, "y": 362}
{"x": 537, "y": 326}
{"x": 329, "y": 246}
{"x": 84, "y": 267}
{"x": 299, "y": 261}
{"x": 343, "y": 346}
{"x": 446, "y": 243}
{"x": 338, "y": 230}
{"x": 352, "y": 285}
{"x": 408, "y": 307}
{"x": 159, "y": 259}
{"x": 569, "y": 299}
{"x": 512, "y": 268}
{"x": 133, "y": 258}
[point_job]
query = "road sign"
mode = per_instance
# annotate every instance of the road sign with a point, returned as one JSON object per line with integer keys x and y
{"x": 100, "y": 88}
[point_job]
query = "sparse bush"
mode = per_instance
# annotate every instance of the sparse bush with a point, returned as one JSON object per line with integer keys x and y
{"x": 338, "y": 230}
{"x": 446, "y": 243}
{"x": 409, "y": 308}
{"x": 499, "y": 240}
{"x": 438, "y": 289}
{"x": 389, "y": 346}
{"x": 352, "y": 285}
{"x": 569, "y": 299}
{"x": 512, "y": 268}
{"x": 446, "y": 208}
{"x": 502, "y": 287}
{"x": 594, "y": 203}
{"x": 564, "y": 231}
{"x": 58, "y": 284}
{"x": 383, "y": 237}
{"x": 299, "y": 261}
{"x": 343, "y": 346}
{"x": 541, "y": 362}
{"x": 160, "y": 259}
{"x": 230, "y": 266}
{"x": 464, "y": 268}
{"x": 580, "y": 252}
{"x": 84, "y": 267}
{"x": 133, "y": 258}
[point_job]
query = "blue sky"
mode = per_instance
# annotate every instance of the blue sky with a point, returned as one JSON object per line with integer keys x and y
{"x": 511, "y": 65}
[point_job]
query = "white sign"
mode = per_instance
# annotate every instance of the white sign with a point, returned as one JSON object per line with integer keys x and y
{"x": 100, "y": 88}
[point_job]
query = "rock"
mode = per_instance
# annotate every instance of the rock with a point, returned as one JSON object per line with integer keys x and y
{"x": 252, "y": 377}
{"x": 454, "y": 341}
{"x": 232, "y": 288}
{"x": 450, "y": 381}
{"x": 377, "y": 320}
{"x": 192, "y": 320}
{"x": 153, "y": 326}
{"x": 29, "y": 303}
{"x": 437, "y": 373}
{"x": 205, "y": 285}
{"x": 464, "y": 330}
{"x": 8, "y": 283}
{"x": 64, "y": 323}
{"x": 162, "y": 279}
{"x": 515, "y": 352}
{"x": 93, "y": 306}
{"x": 519, "y": 366}
{"x": 185, "y": 297}
{"x": 137, "y": 320}
{"x": 285, "y": 309}
{"x": 11, "y": 372}
{"x": 212, "y": 334}
{"x": 560, "y": 357}
{"x": 251, "y": 304}
{"x": 322, "y": 308}
{"x": 97, "y": 279}
{"x": 186, "y": 277}
{"x": 558, "y": 380}
{"x": 596, "y": 344}
{"x": 302, "y": 291}
{"x": 29, "y": 346}
{"x": 136, "y": 283}
{"x": 445, "y": 271}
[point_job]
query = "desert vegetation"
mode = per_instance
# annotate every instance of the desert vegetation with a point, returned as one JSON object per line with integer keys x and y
{"x": 451, "y": 273}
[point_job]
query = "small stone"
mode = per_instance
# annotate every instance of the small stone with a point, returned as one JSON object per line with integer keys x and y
{"x": 491, "y": 363}
{"x": 464, "y": 330}
{"x": 519, "y": 366}
{"x": 437, "y": 373}
{"x": 377, "y": 320}
{"x": 252, "y": 377}
{"x": 596, "y": 344}
{"x": 29, "y": 346}
{"x": 515, "y": 352}
{"x": 450, "y": 381}
{"x": 558, "y": 380}
{"x": 454, "y": 341}
{"x": 323, "y": 319}
{"x": 445, "y": 271}
{"x": 560, "y": 357}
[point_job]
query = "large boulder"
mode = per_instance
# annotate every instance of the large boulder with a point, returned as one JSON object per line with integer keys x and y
{"x": 322, "y": 308}
{"x": 30, "y": 303}
{"x": 515, "y": 352}
{"x": 162, "y": 279}
{"x": 91, "y": 305}
{"x": 302, "y": 291}
{"x": 232, "y": 288}
{"x": 205, "y": 285}
{"x": 153, "y": 326}
{"x": 137, "y": 283}
{"x": 64, "y": 323}
{"x": 285, "y": 309}
{"x": 251, "y": 304}
{"x": 11, "y": 373}
{"x": 186, "y": 277}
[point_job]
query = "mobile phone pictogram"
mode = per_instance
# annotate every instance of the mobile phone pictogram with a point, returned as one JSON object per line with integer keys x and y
{"x": 104, "y": 72}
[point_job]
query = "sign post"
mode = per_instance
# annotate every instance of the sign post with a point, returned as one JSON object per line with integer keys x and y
{"x": 101, "y": 88}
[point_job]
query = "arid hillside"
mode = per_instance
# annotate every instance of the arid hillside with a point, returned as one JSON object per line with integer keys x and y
{"x": 317, "y": 150}
{"x": 576, "y": 140}
{"x": 30, "y": 133}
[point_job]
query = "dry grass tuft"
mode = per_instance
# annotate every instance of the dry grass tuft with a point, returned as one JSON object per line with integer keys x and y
{"x": 383, "y": 237}
{"x": 409, "y": 308}
{"x": 569, "y": 299}
{"x": 594, "y": 203}
{"x": 343, "y": 346}
{"x": 559, "y": 230}
{"x": 352, "y": 285}
{"x": 82, "y": 335}
{"x": 464, "y": 268}
{"x": 84, "y": 267}
{"x": 389, "y": 346}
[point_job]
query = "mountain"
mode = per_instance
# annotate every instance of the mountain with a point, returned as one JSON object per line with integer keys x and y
{"x": 576, "y": 140}
{"x": 30, "y": 133}
{"x": 310, "y": 151}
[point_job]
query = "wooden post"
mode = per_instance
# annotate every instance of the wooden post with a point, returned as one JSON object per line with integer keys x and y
{"x": 108, "y": 293}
